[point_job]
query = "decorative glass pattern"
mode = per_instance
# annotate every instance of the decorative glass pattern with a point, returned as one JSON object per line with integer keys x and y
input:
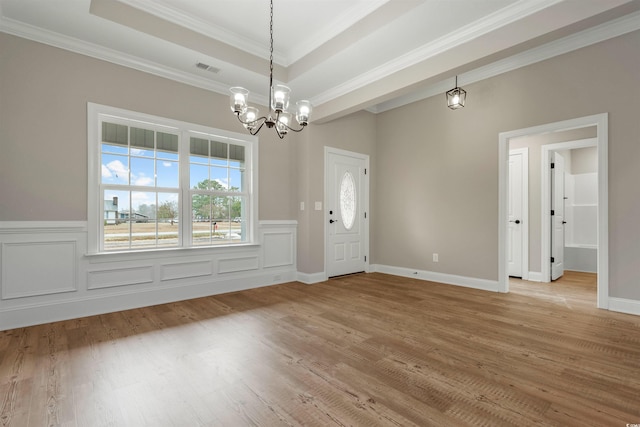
{"x": 348, "y": 200}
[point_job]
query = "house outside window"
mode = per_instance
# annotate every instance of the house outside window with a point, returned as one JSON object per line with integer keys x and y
{"x": 156, "y": 183}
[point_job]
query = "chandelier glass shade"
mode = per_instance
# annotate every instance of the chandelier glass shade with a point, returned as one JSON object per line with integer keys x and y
{"x": 278, "y": 116}
{"x": 456, "y": 97}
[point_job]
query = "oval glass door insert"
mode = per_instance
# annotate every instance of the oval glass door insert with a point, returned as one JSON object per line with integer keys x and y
{"x": 348, "y": 200}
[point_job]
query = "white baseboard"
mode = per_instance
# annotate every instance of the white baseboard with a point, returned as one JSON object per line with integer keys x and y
{"x": 623, "y": 305}
{"x": 535, "y": 276}
{"x": 310, "y": 279}
{"x": 72, "y": 308}
{"x": 449, "y": 279}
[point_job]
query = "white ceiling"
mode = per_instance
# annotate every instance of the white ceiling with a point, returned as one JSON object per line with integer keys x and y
{"x": 343, "y": 55}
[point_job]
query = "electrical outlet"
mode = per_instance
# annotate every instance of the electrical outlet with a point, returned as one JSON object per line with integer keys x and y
{"x": 435, "y": 257}
{"x": 301, "y": 206}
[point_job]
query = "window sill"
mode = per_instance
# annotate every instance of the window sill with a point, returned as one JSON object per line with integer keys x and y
{"x": 128, "y": 255}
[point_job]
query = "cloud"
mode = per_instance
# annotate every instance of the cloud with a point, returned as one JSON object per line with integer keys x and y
{"x": 167, "y": 164}
{"x": 143, "y": 180}
{"x": 115, "y": 167}
{"x": 223, "y": 182}
{"x": 139, "y": 198}
{"x": 106, "y": 173}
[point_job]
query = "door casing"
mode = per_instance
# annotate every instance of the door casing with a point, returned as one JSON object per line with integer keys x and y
{"x": 365, "y": 207}
{"x": 601, "y": 122}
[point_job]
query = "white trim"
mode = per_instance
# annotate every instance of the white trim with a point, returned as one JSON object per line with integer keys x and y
{"x": 623, "y": 305}
{"x": 341, "y": 22}
{"x": 449, "y": 279}
{"x": 115, "y": 282}
{"x": 82, "y": 47}
{"x": 275, "y": 223}
{"x": 601, "y": 123}
{"x": 525, "y": 208}
{"x": 42, "y": 226}
{"x": 608, "y": 30}
{"x": 535, "y": 276}
{"x": 552, "y": 49}
{"x": 91, "y": 305}
{"x": 486, "y": 25}
{"x": 365, "y": 157}
{"x": 310, "y": 279}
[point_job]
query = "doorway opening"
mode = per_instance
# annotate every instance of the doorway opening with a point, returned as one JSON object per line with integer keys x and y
{"x": 600, "y": 123}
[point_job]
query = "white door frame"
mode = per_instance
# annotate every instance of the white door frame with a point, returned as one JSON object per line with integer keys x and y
{"x": 601, "y": 122}
{"x": 365, "y": 207}
{"x": 525, "y": 209}
{"x": 545, "y": 193}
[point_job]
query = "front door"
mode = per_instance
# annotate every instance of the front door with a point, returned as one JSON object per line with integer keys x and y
{"x": 346, "y": 212}
{"x": 557, "y": 216}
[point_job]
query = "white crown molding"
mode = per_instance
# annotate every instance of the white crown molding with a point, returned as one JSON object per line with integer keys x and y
{"x": 92, "y": 50}
{"x": 347, "y": 18}
{"x": 585, "y": 38}
{"x": 342, "y": 22}
{"x": 198, "y": 25}
{"x": 465, "y": 34}
{"x": 567, "y": 44}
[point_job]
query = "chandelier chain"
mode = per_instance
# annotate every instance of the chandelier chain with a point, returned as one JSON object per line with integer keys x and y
{"x": 270, "y": 51}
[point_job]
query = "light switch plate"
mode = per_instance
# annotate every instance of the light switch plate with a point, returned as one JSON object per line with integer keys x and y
{"x": 318, "y": 206}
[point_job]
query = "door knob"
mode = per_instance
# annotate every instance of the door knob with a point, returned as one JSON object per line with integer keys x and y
{"x": 331, "y": 221}
{"x": 517, "y": 221}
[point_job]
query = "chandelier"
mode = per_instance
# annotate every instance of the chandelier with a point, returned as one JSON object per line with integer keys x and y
{"x": 278, "y": 117}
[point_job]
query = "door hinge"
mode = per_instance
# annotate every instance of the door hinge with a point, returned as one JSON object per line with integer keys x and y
{"x": 553, "y": 259}
{"x": 365, "y": 258}
{"x": 365, "y": 215}
{"x": 553, "y": 212}
{"x": 553, "y": 165}
{"x": 365, "y": 171}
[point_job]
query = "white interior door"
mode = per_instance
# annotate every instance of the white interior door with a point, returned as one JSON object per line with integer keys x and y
{"x": 516, "y": 227}
{"x": 346, "y": 205}
{"x": 557, "y": 215}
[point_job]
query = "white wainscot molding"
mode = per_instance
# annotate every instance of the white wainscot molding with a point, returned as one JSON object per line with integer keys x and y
{"x": 46, "y": 276}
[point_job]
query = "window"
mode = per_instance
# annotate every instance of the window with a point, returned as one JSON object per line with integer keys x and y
{"x": 158, "y": 183}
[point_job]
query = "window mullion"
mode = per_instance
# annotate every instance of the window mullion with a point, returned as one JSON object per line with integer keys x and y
{"x": 186, "y": 222}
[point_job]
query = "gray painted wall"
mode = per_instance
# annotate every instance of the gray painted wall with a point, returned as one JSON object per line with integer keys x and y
{"x": 434, "y": 171}
{"x": 436, "y": 175}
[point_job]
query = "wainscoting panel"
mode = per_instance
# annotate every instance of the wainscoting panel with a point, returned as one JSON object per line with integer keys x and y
{"x": 46, "y": 274}
{"x": 234, "y": 265}
{"x": 182, "y": 270}
{"x": 33, "y": 268}
{"x": 281, "y": 249}
{"x": 126, "y": 276}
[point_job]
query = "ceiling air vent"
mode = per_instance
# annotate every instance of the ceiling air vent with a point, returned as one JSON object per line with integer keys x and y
{"x": 207, "y": 67}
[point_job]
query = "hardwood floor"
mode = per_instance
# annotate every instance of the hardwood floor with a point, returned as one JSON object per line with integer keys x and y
{"x": 364, "y": 350}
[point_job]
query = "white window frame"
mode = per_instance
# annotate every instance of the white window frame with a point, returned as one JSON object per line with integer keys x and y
{"x": 95, "y": 210}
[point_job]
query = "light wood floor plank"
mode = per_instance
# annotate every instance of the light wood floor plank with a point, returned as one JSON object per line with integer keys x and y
{"x": 362, "y": 350}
